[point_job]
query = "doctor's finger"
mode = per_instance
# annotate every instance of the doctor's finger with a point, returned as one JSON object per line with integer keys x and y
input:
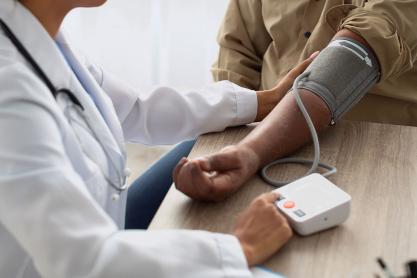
{"x": 300, "y": 68}
{"x": 270, "y": 197}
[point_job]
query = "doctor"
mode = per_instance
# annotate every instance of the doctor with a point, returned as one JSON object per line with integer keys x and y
{"x": 63, "y": 194}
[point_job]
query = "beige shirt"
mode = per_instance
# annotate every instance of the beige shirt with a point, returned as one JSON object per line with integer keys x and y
{"x": 260, "y": 41}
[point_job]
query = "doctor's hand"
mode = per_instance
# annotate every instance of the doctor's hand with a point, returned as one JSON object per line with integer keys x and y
{"x": 261, "y": 229}
{"x": 217, "y": 176}
{"x": 268, "y": 99}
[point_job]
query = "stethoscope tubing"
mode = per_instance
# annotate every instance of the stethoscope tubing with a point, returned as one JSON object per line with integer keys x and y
{"x": 56, "y": 92}
{"x": 25, "y": 53}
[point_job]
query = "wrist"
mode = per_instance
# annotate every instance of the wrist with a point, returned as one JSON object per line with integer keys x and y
{"x": 250, "y": 157}
{"x": 247, "y": 251}
{"x": 267, "y": 100}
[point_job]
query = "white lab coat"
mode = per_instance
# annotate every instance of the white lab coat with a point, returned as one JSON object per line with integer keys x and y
{"x": 57, "y": 217}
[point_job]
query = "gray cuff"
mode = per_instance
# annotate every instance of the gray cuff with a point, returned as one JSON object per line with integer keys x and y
{"x": 341, "y": 75}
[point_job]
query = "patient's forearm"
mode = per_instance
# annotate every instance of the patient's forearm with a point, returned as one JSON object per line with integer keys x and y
{"x": 285, "y": 130}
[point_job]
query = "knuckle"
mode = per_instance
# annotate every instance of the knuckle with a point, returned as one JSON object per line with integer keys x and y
{"x": 281, "y": 219}
{"x": 264, "y": 204}
{"x": 270, "y": 213}
{"x": 278, "y": 218}
{"x": 179, "y": 186}
{"x": 270, "y": 208}
{"x": 259, "y": 202}
{"x": 287, "y": 231}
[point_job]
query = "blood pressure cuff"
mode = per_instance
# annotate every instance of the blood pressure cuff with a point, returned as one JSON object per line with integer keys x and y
{"x": 341, "y": 75}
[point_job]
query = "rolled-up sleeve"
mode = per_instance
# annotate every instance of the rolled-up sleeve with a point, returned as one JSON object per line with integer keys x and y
{"x": 389, "y": 28}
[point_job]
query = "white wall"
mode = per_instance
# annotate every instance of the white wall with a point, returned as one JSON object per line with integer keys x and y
{"x": 151, "y": 42}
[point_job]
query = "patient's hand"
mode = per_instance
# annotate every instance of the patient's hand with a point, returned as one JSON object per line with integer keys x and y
{"x": 217, "y": 176}
{"x": 268, "y": 99}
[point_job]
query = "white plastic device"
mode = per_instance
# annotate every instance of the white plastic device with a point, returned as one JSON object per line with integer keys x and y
{"x": 313, "y": 203}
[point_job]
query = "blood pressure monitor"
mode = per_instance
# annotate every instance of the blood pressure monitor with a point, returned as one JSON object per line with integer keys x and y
{"x": 313, "y": 203}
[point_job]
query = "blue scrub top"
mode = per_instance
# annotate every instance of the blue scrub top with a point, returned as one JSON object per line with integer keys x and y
{"x": 77, "y": 75}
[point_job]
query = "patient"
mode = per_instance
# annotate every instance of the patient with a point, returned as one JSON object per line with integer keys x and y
{"x": 261, "y": 40}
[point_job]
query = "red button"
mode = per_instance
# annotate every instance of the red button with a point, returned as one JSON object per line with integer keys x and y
{"x": 289, "y": 204}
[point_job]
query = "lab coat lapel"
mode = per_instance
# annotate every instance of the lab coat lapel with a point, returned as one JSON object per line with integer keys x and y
{"x": 102, "y": 101}
{"x": 101, "y": 130}
{"x": 109, "y": 132}
{"x": 46, "y": 53}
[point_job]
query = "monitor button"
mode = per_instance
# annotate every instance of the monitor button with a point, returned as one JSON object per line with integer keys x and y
{"x": 289, "y": 204}
{"x": 299, "y": 213}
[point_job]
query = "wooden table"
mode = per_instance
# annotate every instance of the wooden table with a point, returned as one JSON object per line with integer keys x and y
{"x": 377, "y": 166}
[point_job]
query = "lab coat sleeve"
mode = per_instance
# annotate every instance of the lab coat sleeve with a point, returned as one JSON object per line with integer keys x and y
{"x": 389, "y": 27}
{"x": 168, "y": 116}
{"x": 243, "y": 41}
{"x": 45, "y": 206}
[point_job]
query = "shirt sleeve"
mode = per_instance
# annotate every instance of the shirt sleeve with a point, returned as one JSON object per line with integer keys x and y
{"x": 389, "y": 28}
{"x": 45, "y": 205}
{"x": 243, "y": 41}
{"x": 168, "y": 116}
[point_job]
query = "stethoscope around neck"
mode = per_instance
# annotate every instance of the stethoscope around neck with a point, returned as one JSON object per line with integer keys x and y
{"x": 63, "y": 91}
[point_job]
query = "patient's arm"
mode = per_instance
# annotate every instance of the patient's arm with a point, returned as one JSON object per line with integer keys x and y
{"x": 268, "y": 99}
{"x": 283, "y": 131}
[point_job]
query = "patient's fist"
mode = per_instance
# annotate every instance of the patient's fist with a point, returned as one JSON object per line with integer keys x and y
{"x": 217, "y": 176}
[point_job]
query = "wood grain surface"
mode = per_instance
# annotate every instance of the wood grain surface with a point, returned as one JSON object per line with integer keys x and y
{"x": 377, "y": 166}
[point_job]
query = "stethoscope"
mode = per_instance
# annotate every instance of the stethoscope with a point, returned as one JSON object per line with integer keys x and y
{"x": 76, "y": 103}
